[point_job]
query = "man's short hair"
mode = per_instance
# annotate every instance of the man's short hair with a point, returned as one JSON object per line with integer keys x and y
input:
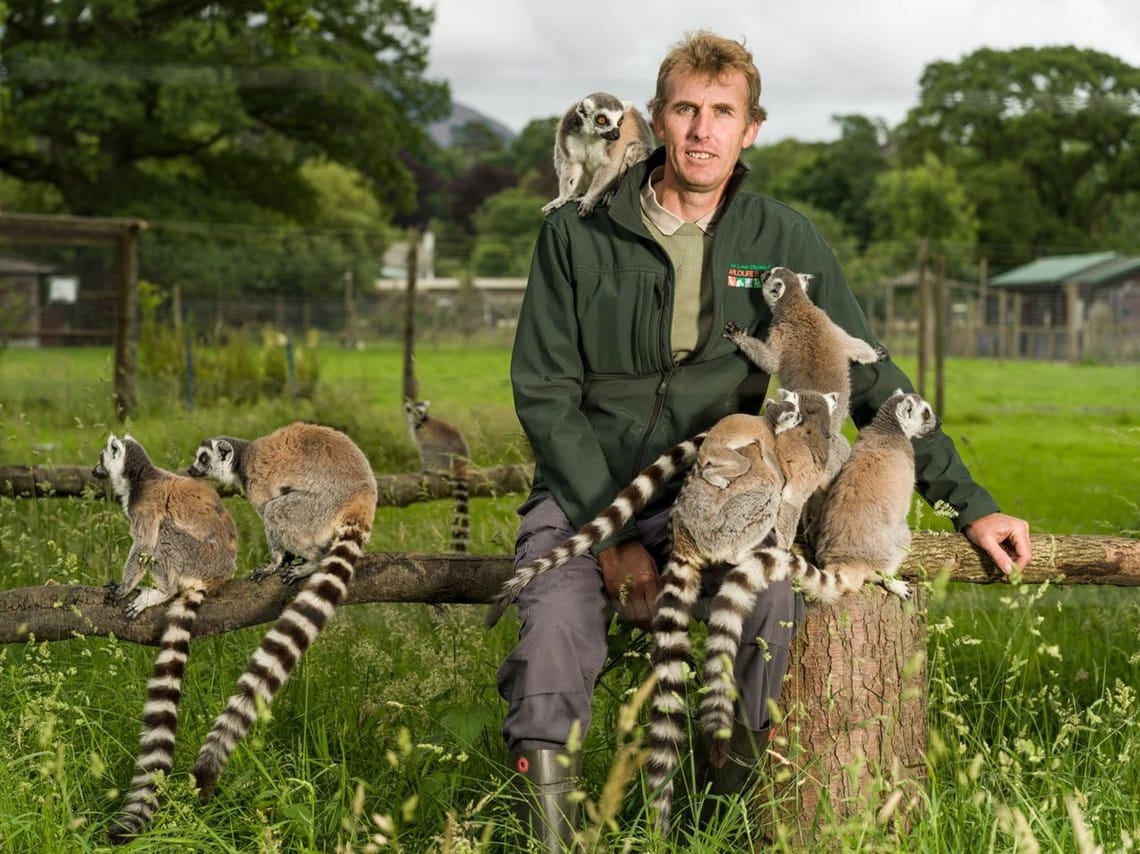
{"x": 702, "y": 52}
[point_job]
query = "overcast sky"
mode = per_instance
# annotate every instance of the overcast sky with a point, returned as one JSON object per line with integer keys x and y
{"x": 517, "y": 60}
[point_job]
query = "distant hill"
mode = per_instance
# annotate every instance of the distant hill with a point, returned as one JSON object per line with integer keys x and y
{"x": 443, "y": 131}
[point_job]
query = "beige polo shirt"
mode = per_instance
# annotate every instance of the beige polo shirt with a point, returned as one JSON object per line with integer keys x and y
{"x": 687, "y": 244}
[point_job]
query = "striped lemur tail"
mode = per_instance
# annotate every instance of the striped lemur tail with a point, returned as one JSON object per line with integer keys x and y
{"x": 668, "y": 720}
{"x": 733, "y": 602}
{"x": 629, "y": 502}
{"x": 280, "y": 650}
{"x": 461, "y": 514}
{"x": 160, "y": 715}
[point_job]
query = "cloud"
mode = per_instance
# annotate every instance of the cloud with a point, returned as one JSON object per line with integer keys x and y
{"x": 516, "y": 60}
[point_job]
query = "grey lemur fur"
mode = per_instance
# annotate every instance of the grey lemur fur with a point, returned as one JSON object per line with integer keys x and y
{"x": 443, "y": 451}
{"x": 596, "y": 142}
{"x": 316, "y": 494}
{"x": 183, "y": 536}
{"x": 806, "y": 349}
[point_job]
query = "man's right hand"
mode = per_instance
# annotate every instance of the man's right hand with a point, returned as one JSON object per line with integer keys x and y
{"x": 631, "y": 579}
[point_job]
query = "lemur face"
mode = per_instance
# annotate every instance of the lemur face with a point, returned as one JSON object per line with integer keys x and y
{"x": 915, "y": 416}
{"x": 785, "y": 414}
{"x": 111, "y": 459}
{"x": 774, "y": 283}
{"x": 604, "y": 120}
{"x": 113, "y": 465}
{"x": 215, "y": 459}
{"x": 416, "y": 411}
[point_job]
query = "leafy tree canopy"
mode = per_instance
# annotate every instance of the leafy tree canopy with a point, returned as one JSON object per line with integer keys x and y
{"x": 836, "y": 176}
{"x": 506, "y": 225}
{"x": 209, "y": 111}
{"x": 925, "y": 201}
{"x": 1054, "y": 128}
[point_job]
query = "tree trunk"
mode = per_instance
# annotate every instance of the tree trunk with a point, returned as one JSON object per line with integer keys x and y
{"x": 853, "y": 737}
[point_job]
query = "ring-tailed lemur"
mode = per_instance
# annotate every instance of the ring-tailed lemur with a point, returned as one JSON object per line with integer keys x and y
{"x": 862, "y": 533}
{"x": 443, "y": 450}
{"x": 597, "y": 140}
{"x": 806, "y": 349}
{"x": 316, "y": 494}
{"x": 734, "y": 525}
{"x": 182, "y": 534}
{"x": 803, "y": 455}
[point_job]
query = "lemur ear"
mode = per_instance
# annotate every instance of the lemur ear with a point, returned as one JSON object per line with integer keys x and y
{"x": 832, "y": 399}
{"x": 787, "y": 395}
{"x": 225, "y": 450}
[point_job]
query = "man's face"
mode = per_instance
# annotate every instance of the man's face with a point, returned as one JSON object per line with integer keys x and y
{"x": 704, "y": 126}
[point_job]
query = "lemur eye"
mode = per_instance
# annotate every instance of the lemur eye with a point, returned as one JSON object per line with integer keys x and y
{"x": 602, "y": 120}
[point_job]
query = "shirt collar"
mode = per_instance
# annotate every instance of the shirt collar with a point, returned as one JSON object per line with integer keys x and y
{"x": 666, "y": 221}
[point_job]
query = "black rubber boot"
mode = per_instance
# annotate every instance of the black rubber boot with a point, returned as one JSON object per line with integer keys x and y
{"x": 544, "y": 781}
{"x": 739, "y": 774}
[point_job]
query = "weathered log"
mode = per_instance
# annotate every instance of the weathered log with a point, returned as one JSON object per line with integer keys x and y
{"x": 57, "y": 612}
{"x": 1060, "y": 558}
{"x": 394, "y": 490}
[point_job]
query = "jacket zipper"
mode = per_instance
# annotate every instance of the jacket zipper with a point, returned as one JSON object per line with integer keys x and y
{"x": 662, "y": 387}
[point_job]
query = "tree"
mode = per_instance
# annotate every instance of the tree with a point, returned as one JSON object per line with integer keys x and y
{"x": 838, "y": 176}
{"x": 1043, "y": 139}
{"x": 208, "y": 111}
{"x": 925, "y": 201}
{"x": 506, "y": 226}
{"x": 532, "y": 153}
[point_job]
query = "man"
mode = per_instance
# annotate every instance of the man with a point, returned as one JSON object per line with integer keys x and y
{"x": 618, "y": 355}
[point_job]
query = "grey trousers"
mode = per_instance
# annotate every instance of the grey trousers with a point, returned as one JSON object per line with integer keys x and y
{"x": 548, "y": 678}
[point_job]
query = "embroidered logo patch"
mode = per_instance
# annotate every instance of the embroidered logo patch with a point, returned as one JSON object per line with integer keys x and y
{"x": 746, "y": 275}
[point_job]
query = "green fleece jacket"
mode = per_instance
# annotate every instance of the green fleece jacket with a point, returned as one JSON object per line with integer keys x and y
{"x": 595, "y": 384}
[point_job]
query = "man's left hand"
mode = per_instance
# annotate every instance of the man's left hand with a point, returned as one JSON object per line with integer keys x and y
{"x": 1004, "y": 538}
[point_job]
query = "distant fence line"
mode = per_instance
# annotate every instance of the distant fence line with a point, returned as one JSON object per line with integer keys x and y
{"x": 377, "y": 314}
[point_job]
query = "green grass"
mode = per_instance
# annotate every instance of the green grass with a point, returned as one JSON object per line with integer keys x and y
{"x": 393, "y": 715}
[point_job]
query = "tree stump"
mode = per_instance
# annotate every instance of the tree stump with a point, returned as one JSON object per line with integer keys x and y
{"x": 853, "y": 738}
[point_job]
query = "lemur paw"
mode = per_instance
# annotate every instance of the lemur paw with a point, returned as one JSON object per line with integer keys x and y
{"x": 734, "y": 331}
{"x": 263, "y": 572}
{"x": 553, "y": 205}
{"x": 897, "y": 586}
{"x": 111, "y": 593}
{"x": 293, "y": 574}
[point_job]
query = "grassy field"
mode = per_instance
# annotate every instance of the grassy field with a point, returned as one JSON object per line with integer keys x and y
{"x": 387, "y": 735}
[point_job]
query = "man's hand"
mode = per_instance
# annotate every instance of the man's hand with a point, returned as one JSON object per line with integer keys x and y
{"x": 630, "y": 576}
{"x": 1004, "y": 538}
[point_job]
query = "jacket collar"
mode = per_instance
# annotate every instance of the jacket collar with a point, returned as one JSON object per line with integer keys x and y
{"x": 625, "y": 207}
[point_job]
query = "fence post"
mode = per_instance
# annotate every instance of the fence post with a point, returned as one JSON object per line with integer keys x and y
{"x": 189, "y": 375}
{"x": 127, "y": 326}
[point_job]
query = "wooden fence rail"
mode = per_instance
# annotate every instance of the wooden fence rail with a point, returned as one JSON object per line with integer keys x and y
{"x": 58, "y": 612}
{"x": 393, "y": 490}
